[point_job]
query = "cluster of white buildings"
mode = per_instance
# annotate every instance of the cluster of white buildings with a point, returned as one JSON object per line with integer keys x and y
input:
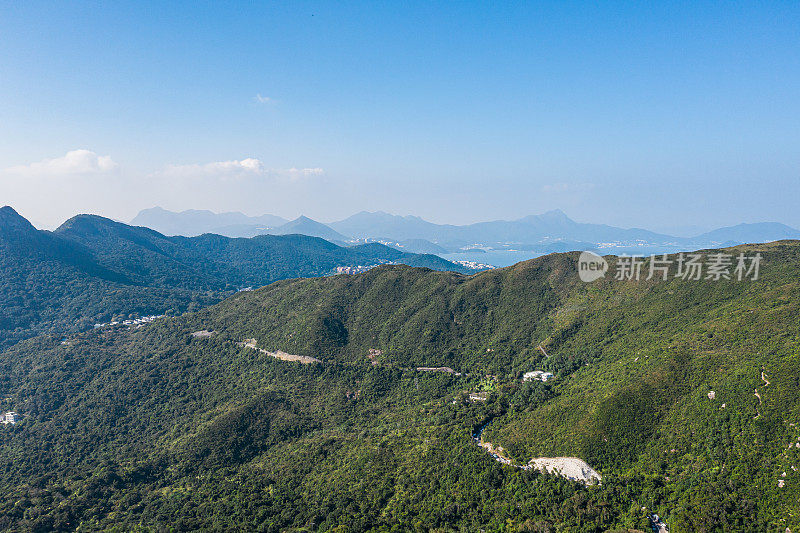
{"x": 354, "y": 269}
{"x": 131, "y": 322}
{"x": 10, "y": 417}
{"x": 475, "y": 265}
{"x": 539, "y": 375}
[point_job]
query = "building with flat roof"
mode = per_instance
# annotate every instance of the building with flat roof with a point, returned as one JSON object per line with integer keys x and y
{"x": 10, "y": 417}
{"x": 537, "y": 374}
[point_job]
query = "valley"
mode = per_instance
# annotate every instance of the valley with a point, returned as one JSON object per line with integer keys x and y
{"x": 399, "y": 267}
{"x": 94, "y": 270}
{"x": 152, "y": 420}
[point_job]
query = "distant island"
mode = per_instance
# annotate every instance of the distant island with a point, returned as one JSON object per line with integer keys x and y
{"x": 506, "y": 242}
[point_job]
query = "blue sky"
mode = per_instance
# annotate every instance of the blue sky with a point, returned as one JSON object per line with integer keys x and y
{"x": 663, "y": 116}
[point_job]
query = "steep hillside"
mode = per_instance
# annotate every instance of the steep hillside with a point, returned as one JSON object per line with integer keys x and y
{"x": 53, "y": 284}
{"x": 92, "y": 269}
{"x": 683, "y": 394}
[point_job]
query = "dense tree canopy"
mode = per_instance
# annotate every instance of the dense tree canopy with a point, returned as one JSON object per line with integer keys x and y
{"x": 152, "y": 427}
{"x": 92, "y": 269}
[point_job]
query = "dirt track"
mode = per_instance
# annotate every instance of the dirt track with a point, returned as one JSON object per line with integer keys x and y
{"x": 283, "y": 356}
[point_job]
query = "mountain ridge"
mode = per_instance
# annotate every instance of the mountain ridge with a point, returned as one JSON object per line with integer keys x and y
{"x": 194, "y": 222}
{"x": 542, "y": 229}
{"x": 653, "y": 386}
{"x": 92, "y": 269}
{"x": 303, "y": 225}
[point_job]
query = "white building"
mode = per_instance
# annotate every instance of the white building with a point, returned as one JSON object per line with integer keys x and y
{"x": 10, "y": 418}
{"x": 536, "y": 374}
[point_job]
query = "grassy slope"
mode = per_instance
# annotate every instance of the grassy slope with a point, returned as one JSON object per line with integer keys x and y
{"x": 639, "y": 407}
{"x": 152, "y": 427}
{"x": 92, "y": 269}
{"x": 642, "y": 407}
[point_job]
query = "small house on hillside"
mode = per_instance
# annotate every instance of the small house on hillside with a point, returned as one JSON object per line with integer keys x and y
{"x": 539, "y": 375}
{"x": 10, "y": 418}
{"x": 478, "y": 396}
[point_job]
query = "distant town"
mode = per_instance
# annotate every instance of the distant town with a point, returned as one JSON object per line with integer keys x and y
{"x": 129, "y": 322}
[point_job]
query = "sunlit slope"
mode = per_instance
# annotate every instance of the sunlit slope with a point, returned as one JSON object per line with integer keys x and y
{"x": 635, "y": 362}
{"x": 416, "y": 317}
{"x": 155, "y": 427}
{"x": 694, "y": 384}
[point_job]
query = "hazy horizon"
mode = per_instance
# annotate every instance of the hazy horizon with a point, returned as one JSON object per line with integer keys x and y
{"x": 675, "y": 231}
{"x": 589, "y": 324}
{"x": 656, "y": 116}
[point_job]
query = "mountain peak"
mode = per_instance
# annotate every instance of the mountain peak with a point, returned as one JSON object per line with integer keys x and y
{"x": 555, "y": 214}
{"x": 86, "y": 219}
{"x": 8, "y": 211}
{"x": 552, "y": 217}
{"x": 749, "y": 232}
{"x": 10, "y": 220}
{"x": 307, "y": 226}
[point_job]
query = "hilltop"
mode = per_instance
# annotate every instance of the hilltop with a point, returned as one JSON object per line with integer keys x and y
{"x": 93, "y": 269}
{"x": 179, "y": 423}
{"x": 552, "y": 231}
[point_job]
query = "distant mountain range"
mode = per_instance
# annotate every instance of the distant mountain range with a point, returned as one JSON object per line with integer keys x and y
{"x": 94, "y": 269}
{"x": 747, "y": 233}
{"x": 550, "y": 231}
{"x": 194, "y": 222}
{"x": 305, "y": 226}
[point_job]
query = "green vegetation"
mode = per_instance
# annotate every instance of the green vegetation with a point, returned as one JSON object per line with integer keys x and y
{"x": 92, "y": 269}
{"x": 153, "y": 428}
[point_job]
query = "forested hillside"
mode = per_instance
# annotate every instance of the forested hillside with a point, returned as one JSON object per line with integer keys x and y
{"x": 92, "y": 269}
{"x": 683, "y": 394}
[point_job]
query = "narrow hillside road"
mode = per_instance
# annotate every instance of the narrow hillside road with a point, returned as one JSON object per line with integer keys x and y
{"x": 758, "y": 410}
{"x": 491, "y": 450}
{"x": 283, "y": 356}
{"x": 757, "y": 395}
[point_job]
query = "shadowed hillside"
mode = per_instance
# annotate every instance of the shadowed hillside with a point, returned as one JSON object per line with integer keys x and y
{"x": 92, "y": 269}
{"x": 182, "y": 423}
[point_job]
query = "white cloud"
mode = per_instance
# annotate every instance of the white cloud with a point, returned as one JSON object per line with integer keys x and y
{"x": 263, "y": 99}
{"x": 236, "y": 169}
{"x": 74, "y": 162}
{"x": 84, "y": 182}
{"x": 249, "y": 166}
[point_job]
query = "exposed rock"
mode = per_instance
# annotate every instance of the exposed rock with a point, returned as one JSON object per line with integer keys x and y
{"x": 568, "y": 467}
